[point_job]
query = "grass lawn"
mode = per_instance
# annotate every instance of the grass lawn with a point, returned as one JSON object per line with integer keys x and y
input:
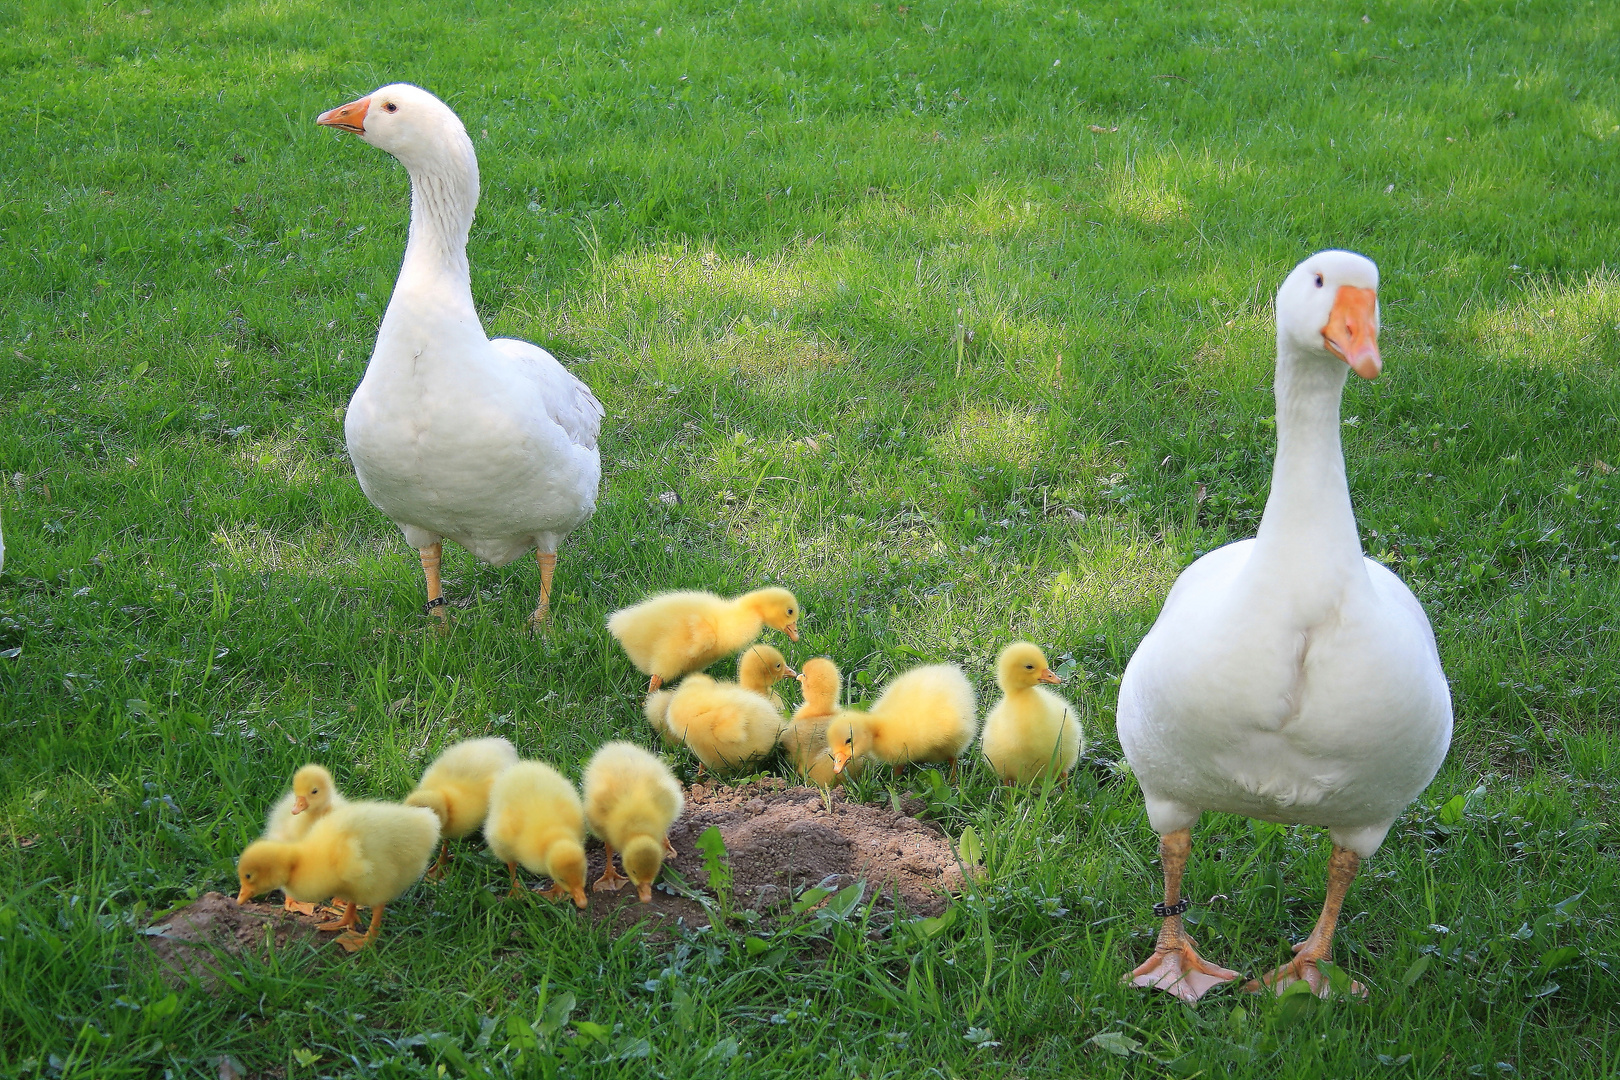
{"x": 755, "y": 230}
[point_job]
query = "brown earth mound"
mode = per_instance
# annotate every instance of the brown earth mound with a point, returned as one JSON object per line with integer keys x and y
{"x": 781, "y": 840}
{"x": 200, "y": 938}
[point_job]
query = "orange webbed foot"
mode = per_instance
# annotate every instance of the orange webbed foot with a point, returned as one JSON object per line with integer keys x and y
{"x": 611, "y": 880}
{"x": 1302, "y": 968}
{"x": 1179, "y": 970}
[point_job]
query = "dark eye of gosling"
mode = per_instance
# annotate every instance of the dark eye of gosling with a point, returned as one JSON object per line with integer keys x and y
{"x": 391, "y": 107}
{"x": 1318, "y": 281}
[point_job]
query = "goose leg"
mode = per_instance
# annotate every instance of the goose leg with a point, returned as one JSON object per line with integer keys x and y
{"x": 669, "y": 848}
{"x": 1175, "y": 965}
{"x": 353, "y": 942}
{"x": 436, "y": 603}
{"x": 1342, "y": 868}
{"x": 654, "y": 683}
{"x": 516, "y": 890}
{"x": 548, "y": 566}
{"x": 611, "y": 879}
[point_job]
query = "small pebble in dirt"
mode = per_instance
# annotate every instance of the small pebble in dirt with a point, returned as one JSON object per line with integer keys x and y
{"x": 755, "y": 806}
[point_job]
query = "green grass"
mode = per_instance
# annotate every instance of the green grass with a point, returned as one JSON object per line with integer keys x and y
{"x": 751, "y": 231}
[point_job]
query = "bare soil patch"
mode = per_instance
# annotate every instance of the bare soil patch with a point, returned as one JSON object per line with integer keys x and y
{"x": 781, "y": 840}
{"x": 201, "y": 937}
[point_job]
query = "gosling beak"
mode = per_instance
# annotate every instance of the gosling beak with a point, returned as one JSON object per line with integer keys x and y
{"x": 245, "y": 895}
{"x": 643, "y": 892}
{"x": 579, "y": 897}
{"x": 1351, "y": 332}
{"x": 1048, "y": 675}
{"x": 300, "y": 804}
{"x": 792, "y": 631}
{"x": 350, "y": 117}
{"x": 799, "y": 675}
{"x": 792, "y": 673}
{"x": 839, "y": 761}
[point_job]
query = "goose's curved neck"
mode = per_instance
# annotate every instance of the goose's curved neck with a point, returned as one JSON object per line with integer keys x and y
{"x": 444, "y": 196}
{"x": 1308, "y": 522}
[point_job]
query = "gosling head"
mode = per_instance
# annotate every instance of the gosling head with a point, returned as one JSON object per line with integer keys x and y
{"x": 566, "y": 864}
{"x": 264, "y": 865}
{"x": 849, "y": 736}
{"x": 312, "y": 790}
{"x": 820, "y": 682}
{"x": 778, "y": 608}
{"x": 761, "y": 667}
{"x": 643, "y": 857}
{"x": 1020, "y": 666}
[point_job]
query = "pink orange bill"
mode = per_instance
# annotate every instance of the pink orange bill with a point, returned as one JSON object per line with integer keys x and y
{"x": 350, "y": 117}
{"x": 1351, "y": 332}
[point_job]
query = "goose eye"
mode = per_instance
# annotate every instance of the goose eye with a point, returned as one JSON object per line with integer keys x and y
{"x": 1029, "y": 667}
{"x": 391, "y": 107}
{"x": 1318, "y": 281}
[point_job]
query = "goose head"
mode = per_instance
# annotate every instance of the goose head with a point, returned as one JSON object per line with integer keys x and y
{"x": 421, "y": 131}
{"x": 1328, "y": 307}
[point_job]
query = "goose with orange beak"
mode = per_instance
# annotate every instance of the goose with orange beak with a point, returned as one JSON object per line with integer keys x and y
{"x": 1288, "y": 678}
{"x": 490, "y": 443}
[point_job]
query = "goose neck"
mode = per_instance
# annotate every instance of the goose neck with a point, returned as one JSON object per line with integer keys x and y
{"x": 444, "y": 197}
{"x": 1308, "y": 517}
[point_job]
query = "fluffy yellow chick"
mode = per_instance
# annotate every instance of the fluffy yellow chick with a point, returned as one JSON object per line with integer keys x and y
{"x": 759, "y": 669}
{"x": 672, "y": 633}
{"x": 631, "y": 800}
{"x": 727, "y": 726}
{"x": 369, "y": 852}
{"x": 456, "y": 788}
{"x": 805, "y": 738}
{"x": 926, "y": 714}
{"x": 312, "y": 796}
{"x": 1032, "y": 732}
{"x": 536, "y": 818}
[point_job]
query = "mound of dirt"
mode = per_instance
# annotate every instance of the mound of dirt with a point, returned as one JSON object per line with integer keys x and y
{"x": 199, "y": 938}
{"x": 781, "y": 840}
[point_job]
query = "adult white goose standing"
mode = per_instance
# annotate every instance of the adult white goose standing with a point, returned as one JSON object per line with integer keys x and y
{"x": 1288, "y": 678}
{"x": 489, "y": 443}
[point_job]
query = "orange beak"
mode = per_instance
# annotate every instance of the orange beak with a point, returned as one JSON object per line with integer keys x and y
{"x": 1351, "y": 332}
{"x": 792, "y": 631}
{"x": 643, "y": 893}
{"x": 840, "y": 759}
{"x": 791, "y": 673}
{"x": 300, "y": 804}
{"x": 579, "y": 897}
{"x": 350, "y": 117}
{"x": 1048, "y": 675}
{"x": 245, "y": 895}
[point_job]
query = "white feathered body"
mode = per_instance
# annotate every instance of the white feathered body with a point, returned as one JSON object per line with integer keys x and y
{"x": 1242, "y": 700}
{"x": 491, "y": 444}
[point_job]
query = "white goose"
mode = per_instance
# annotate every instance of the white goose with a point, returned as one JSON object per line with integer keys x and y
{"x": 489, "y": 443}
{"x": 1288, "y": 678}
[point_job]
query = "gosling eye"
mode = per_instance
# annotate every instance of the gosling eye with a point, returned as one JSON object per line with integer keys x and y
{"x": 790, "y": 611}
{"x": 391, "y": 107}
{"x": 1318, "y": 281}
{"x": 1029, "y": 667}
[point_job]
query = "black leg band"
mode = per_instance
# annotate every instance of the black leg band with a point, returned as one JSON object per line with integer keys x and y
{"x": 1162, "y": 910}
{"x": 438, "y": 601}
